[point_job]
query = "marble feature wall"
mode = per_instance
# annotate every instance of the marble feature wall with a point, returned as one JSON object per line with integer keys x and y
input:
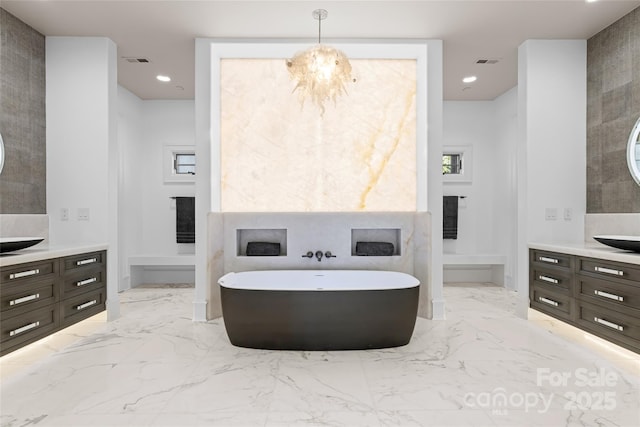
{"x": 612, "y": 224}
{"x": 613, "y": 106}
{"x": 325, "y": 232}
{"x": 21, "y": 225}
{"x": 277, "y": 156}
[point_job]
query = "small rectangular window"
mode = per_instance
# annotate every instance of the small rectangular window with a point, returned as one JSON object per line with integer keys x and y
{"x": 185, "y": 164}
{"x": 451, "y": 164}
{"x": 179, "y": 163}
{"x": 457, "y": 161}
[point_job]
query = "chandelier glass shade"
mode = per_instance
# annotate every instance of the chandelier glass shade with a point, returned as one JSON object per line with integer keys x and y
{"x": 321, "y": 71}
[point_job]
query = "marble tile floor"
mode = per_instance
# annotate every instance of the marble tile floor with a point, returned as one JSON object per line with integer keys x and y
{"x": 481, "y": 367}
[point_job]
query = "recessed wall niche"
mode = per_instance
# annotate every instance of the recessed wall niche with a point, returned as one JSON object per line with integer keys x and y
{"x": 280, "y": 156}
{"x": 265, "y": 235}
{"x": 376, "y": 235}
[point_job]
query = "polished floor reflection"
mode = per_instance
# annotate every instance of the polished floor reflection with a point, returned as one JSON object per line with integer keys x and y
{"x": 481, "y": 367}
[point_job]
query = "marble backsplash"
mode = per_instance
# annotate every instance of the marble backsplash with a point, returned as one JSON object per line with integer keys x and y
{"x": 625, "y": 224}
{"x": 24, "y": 225}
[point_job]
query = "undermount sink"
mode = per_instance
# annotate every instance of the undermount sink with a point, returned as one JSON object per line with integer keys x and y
{"x": 627, "y": 243}
{"x": 10, "y": 244}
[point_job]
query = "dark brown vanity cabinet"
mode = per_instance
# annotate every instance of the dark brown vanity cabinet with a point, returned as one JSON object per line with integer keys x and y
{"x": 551, "y": 283}
{"x": 42, "y": 297}
{"x": 598, "y": 296}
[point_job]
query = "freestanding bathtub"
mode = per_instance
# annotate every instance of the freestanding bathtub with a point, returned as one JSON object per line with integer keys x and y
{"x": 319, "y": 309}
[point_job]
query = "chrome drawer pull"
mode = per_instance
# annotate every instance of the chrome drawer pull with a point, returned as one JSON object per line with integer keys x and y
{"x": 24, "y": 274}
{"x": 86, "y": 261}
{"x": 24, "y": 328}
{"x": 547, "y": 259}
{"x": 87, "y": 281}
{"x": 609, "y": 324}
{"x": 548, "y": 301}
{"x": 609, "y": 271}
{"x": 24, "y": 299}
{"x": 86, "y": 304}
{"x": 608, "y": 295}
{"x": 548, "y": 279}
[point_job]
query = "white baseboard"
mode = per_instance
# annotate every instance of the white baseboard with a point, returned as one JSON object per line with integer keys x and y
{"x": 200, "y": 311}
{"x": 437, "y": 309}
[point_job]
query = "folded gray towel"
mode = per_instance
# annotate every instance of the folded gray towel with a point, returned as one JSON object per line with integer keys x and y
{"x": 263, "y": 249}
{"x": 374, "y": 249}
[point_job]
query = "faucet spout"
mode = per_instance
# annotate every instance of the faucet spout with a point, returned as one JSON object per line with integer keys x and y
{"x": 319, "y": 255}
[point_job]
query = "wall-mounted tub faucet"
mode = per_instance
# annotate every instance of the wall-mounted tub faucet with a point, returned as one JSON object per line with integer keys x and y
{"x": 319, "y": 255}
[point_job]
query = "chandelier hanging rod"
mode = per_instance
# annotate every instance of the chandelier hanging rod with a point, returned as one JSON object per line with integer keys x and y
{"x": 319, "y": 15}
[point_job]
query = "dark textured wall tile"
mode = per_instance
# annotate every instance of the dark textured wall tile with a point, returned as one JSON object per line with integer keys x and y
{"x": 594, "y": 110}
{"x": 614, "y": 135}
{"x": 616, "y": 103}
{"x": 22, "y": 117}
{"x": 594, "y": 197}
{"x": 612, "y": 172}
{"x": 613, "y": 105}
{"x": 635, "y": 98}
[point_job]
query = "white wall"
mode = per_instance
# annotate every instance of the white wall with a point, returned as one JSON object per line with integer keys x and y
{"x": 82, "y": 145}
{"x": 505, "y": 183}
{"x": 473, "y": 123}
{"x": 148, "y": 225}
{"x": 130, "y": 134}
{"x": 486, "y": 216}
{"x": 164, "y": 123}
{"x": 551, "y": 147}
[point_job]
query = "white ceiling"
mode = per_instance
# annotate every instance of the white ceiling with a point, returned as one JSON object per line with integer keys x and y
{"x": 164, "y": 31}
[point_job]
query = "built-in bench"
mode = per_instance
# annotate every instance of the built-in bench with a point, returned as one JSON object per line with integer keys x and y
{"x": 168, "y": 268}
{"x": 464, "y": 268}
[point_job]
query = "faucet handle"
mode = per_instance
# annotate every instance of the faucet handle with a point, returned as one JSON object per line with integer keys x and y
{"x": 328, "y": 254}
{"x": 308, "y": 255}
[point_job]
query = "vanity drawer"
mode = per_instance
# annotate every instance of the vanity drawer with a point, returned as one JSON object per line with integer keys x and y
{"x": 618, "y": 327}
{"x": 616, "y": 296}
{"x": 26, "y": 328}
{"x": 609, "y": 270}
{"x": 28, "y": 272}
{"x": 81, "y": 282}
{"x": 553, "y": 303}
{"x": 90, "y": 261}
{"x": 551, "y": 259}
{"x": 556, "y": 279}
{"x": 82, "y": 306}
{"x": 23, "y": 297}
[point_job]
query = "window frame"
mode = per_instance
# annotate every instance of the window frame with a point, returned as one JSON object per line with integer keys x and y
{"x": 466, "y": 156}
{"x": 169, "y": 164}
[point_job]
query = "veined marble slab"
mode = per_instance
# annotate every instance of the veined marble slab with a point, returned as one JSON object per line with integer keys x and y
{"x": 24, "y": 225}
{"x": 277, "y": 156}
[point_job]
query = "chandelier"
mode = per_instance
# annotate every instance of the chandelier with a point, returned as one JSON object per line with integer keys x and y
{"x": 320, "y": 71}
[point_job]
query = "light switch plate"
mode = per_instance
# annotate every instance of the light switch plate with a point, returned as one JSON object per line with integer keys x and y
{"x": 568, "y": 214}
{"x": 551, "y": 214}
{"x": 83, "y": 214}
{"x": 64, "y": 214}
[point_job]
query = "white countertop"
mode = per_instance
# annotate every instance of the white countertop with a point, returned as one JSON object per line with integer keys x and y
{"x": 43, "y": 251}
{"x": 592, "y": 250}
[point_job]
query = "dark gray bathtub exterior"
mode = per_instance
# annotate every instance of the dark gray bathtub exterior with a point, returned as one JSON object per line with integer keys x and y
{"x": 319, "y": 320}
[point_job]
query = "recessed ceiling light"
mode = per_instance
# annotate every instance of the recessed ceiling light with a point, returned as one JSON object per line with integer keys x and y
{"x": 163, "y": 78}
{"x": 591, "y": 1}
{"x": 469, "y": 79}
